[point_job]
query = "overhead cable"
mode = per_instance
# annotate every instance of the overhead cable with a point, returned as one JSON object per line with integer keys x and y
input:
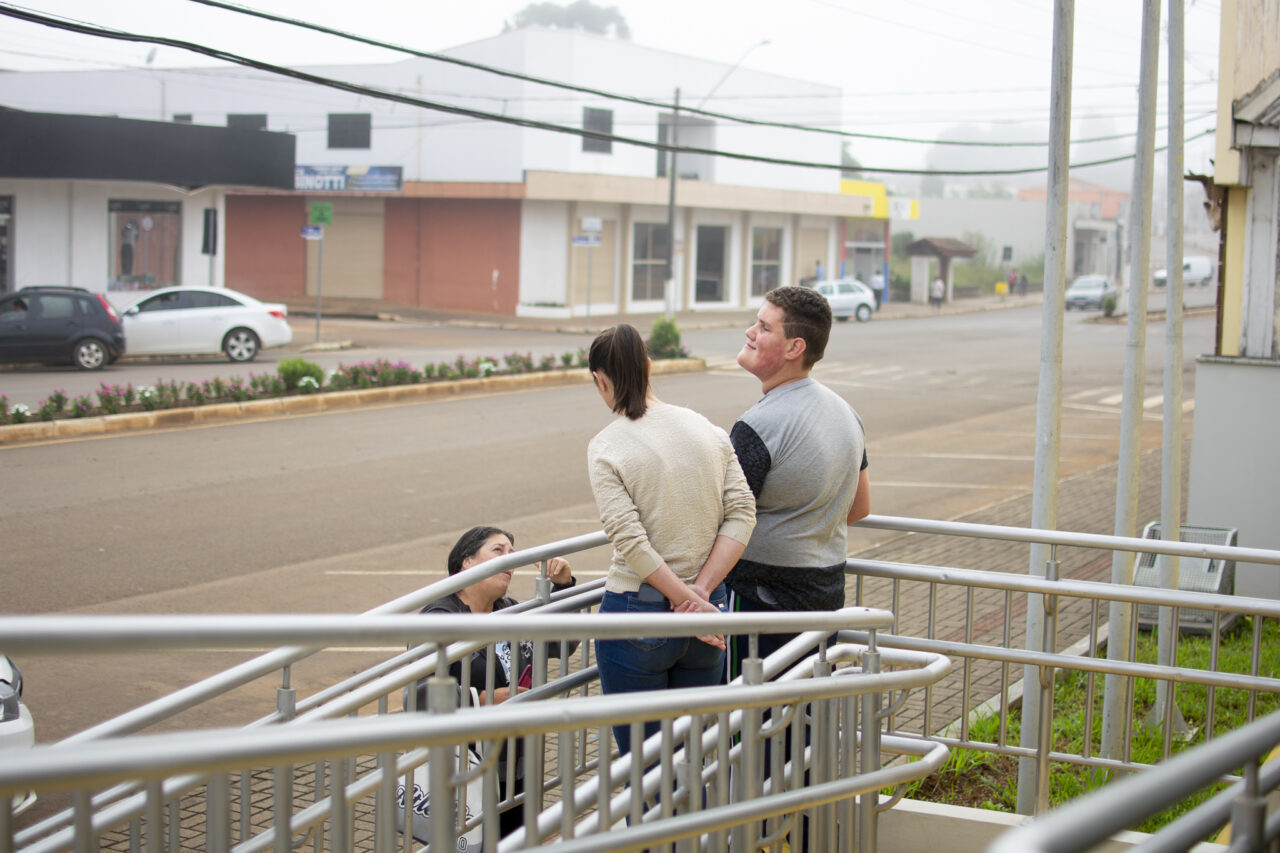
{"x": 215, "y": 53}
{"x": 601, "y": 93}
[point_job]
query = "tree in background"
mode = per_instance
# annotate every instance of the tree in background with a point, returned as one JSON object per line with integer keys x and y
{"x": 579, "y": 15}
{"x": 851, "y": 169}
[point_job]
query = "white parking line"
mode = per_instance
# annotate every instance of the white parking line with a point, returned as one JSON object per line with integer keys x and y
{"x": 1092, "y": 392}
{"x": 904, "y": 484}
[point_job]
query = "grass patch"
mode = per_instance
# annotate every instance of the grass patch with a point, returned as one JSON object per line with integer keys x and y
{"x": 984, "y": 780}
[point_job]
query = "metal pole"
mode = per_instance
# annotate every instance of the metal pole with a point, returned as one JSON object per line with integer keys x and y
{"x": 1118, "y": 637}
{"x": 669, "y": 300}
{"x": 1171, "y": 433}
{"x": 1044, "y": 500}
{"x": 319, "y": 278}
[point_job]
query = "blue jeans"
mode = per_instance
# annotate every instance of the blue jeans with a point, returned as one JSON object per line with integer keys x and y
{"x": 654, "y": 663}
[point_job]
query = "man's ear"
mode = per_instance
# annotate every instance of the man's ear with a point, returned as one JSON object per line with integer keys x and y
{"x": 795, "y": 348}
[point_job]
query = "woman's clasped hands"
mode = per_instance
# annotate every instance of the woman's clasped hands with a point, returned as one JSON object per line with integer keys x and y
{"x": 699, "y": 601}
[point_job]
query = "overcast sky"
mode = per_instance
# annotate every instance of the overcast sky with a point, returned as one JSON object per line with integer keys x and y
{"x": 917, "y": 68}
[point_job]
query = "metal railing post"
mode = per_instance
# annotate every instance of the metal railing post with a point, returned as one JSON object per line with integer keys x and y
{"x": 217, "y": 831}
{"x": 1114, "y": 715}
{"x": 1171, "y": 428}
{"x": 868, "y": 802}
{"x": 748, "y": 776}
{"x": 1249, "y": 811}
{"x": 1044, "y": 499}
{"x": 1044, "y": 720}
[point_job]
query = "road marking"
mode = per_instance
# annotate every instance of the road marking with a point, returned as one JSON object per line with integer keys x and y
{"x": 1152, "y": 402}
{"x": 1113, "y": 400}
{"x": 875, "y": 371}
{"x": 994, "y": 457}
{"x": 903, "y": 484}
{"x": 1091, "y": 392}
{"x": 372, "y": 572}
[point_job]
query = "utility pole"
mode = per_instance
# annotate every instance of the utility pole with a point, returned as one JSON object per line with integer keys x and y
{"x": 1032, "y": 796}
{"x": 669, "y": 295}
{"x": 1117, "y": 689}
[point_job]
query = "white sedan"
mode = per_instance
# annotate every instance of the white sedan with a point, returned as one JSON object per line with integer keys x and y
{"x": 848, "y": 297}
{"x": 195, "y": 320}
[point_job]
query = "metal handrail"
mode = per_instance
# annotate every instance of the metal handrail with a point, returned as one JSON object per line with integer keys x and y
{"x": 1037, "y": 536}
{"x": 1095, "y": 817}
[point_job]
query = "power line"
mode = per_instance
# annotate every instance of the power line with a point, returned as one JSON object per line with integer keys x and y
{"x": 215, "y": 53}
{"x": 308, "y": 25}
{"x": 810, "y": 127}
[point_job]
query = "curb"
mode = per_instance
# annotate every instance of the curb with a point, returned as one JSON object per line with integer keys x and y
{"x": 302, "y": 404}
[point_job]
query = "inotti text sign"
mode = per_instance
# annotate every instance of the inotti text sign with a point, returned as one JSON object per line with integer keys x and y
{"x": 348, "y": 178}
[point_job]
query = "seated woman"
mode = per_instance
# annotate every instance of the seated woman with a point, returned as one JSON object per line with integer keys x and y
{"x": 476, "y": 546}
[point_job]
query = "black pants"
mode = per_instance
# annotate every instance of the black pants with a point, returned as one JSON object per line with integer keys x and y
{"x": 739, "y": 650}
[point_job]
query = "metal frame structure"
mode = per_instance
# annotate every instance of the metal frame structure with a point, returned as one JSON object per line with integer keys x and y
{"x": 304, "y": 773}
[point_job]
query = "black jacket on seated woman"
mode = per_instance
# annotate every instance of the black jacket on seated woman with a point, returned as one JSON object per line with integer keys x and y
{"x": 476, "y": 546}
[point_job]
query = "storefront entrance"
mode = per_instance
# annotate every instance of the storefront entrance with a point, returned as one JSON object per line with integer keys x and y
{"x": 711, "y": 263}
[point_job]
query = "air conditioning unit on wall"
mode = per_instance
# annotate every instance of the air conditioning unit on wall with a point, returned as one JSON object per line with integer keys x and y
{"x": 1195, "y": 574}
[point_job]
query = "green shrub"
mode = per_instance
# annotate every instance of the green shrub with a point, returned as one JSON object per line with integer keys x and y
{"x": 292, "y": 370}
{"x": 664, "y": 340}
{"x": 1109, "y": 304}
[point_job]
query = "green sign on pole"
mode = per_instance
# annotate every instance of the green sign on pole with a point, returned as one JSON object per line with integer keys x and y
{"x": 321, "y": 213}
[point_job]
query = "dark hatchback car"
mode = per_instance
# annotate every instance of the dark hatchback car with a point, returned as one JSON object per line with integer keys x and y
{"x": 58, "y": 325}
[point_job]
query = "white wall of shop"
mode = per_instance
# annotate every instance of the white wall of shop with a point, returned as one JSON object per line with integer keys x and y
{"x": 61, "y": 232}
{"x": 544, "y": 254}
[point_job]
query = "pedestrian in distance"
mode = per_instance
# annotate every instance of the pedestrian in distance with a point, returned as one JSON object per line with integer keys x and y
{"x": 937, "y": 289}
{"x": 677, "y": 509}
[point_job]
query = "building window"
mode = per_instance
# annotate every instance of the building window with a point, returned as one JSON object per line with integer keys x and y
{"x": 146, "y": 242}
{"x": 766, "y": 259}
{"x": 349, "y": 130}
{"x": 247, "y": 121}
{"x": 598, "y": 121}
{"x": 649, "y": 262}
{"x": 182, "y": 118}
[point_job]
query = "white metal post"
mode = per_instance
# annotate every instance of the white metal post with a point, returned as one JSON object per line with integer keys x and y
{"x": 1118, "y": 636}
{"x": 1171, "y": 433}
{"x": 1044, "y": 501}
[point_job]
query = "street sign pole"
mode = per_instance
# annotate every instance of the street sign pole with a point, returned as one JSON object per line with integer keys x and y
{"x": 319, "y": 283}
{"x": 591, "y": 228}
{"x": 321, "y": 215}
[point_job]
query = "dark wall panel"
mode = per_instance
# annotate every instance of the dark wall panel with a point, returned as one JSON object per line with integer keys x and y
{"x": 46, "y": 145}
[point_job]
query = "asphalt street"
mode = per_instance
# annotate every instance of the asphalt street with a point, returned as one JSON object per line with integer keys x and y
{"x": 340, "y": 511}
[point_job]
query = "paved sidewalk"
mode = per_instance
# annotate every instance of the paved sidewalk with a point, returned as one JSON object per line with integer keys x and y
{"x": 373, "y": 309}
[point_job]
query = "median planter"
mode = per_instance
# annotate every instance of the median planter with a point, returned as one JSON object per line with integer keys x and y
{"x": 138, "y": 418}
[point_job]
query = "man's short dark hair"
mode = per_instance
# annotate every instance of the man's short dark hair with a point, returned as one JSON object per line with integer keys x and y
{"x": 805, "y": 314}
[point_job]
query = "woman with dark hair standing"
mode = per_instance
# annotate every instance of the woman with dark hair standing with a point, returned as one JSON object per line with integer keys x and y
{"x": 676, "y": 507}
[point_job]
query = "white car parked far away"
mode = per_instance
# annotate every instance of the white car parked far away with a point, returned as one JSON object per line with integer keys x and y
{"x": 848, "y": 297}
{"x": 195, "y": 320}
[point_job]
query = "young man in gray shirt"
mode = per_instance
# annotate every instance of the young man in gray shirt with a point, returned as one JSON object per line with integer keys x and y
{"x": 803, "y": 451}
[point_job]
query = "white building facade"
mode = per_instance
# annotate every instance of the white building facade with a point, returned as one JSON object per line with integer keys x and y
{"x": 459, "y": 211}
